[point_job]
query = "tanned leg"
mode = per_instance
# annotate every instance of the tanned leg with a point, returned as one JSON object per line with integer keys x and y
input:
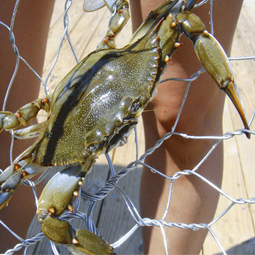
{"x": 31, "y": 32}
{"x": 192, "y": 201}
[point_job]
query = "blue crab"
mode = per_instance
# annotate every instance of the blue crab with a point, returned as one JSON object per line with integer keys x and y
{"x": 95, "y": 107}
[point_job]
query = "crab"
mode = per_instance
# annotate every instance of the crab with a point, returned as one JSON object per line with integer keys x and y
{"x": 96, "y": 106}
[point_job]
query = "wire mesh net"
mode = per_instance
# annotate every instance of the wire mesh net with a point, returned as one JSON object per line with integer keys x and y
{"x": 96, "y": 191}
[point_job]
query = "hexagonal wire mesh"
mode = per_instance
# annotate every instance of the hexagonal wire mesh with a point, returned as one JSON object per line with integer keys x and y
{"x": 116, "y": 175}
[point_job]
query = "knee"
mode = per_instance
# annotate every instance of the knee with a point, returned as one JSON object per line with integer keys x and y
{"x": 201, "y": 116}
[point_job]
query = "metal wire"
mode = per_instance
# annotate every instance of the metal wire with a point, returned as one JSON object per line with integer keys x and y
{"x": 115, "y": 176}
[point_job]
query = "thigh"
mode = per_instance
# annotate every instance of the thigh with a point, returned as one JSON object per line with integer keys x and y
{"x": 202, "y": 112}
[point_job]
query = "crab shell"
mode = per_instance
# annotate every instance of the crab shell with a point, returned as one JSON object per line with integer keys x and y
{"x": 95, "y": 107}
{"x": 93, "y": 110}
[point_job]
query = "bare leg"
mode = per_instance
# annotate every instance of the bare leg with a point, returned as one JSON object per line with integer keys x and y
{"x": 31, "y": 31}
{"x": 192, "y": 200}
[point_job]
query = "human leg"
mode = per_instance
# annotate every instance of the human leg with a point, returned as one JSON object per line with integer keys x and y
{"x": 31, "y": 31}
{"x": 192, "y": 200}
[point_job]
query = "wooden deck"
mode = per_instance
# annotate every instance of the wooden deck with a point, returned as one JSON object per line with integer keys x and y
{"x": 111, "y": 215}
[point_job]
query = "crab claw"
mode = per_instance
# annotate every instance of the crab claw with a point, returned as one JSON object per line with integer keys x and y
{"x": 56, "y": 198}
{"x": 90, "y": 6}
{"x": 8, "y": 187}
{"x": 213, "y": 58}
{"x": 231, "y": 90}
{"x": 216, "y": 63}
{"x": 13, "y": 175}
{"x": 89, "y": 243}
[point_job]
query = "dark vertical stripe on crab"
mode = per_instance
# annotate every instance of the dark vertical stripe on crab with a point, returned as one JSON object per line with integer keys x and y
{"x": 79, "y": 89}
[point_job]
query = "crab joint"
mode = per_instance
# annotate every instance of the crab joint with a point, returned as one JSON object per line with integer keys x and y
{"x": 70, "y": 208}
{"x": 16, "y": 167}
{"x": 173, "y": 24}
{"x": 205, "y": 33}
{"x": 167, "y": 59}
{"x": 177, "y": 44}
{"x": 75, "y": 241}
{"x": 45, "y": 100}
{"x": 18, "y": 114}
{"x": 24, "y": 173}
{"x": 51, "y": 211}
{"x": 106, "y": 40}
{"x": 76, "y": 193}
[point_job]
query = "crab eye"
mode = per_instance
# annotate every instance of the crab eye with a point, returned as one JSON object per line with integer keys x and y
{"x": 96, "y": 147}
{"x": 93, "y": 147}
{"x": 135, "y": 107}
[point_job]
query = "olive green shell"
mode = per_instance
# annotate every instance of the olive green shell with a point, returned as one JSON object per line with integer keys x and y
{"x": 96, "y": 105}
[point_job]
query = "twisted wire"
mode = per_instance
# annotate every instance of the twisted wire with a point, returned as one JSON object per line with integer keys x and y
{"x": 112, "y": 182}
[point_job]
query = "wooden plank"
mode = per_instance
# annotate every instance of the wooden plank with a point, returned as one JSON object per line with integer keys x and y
{"x": 238, "y": 181}
{"x": 99, "y": 31}
{"x": 115, "y": 219}
{"x": 237, "y": 224}
{"x": 93, "y": 182}
{"x": 243, "y": 45}
{"x": 247, "y": 247}
{"x": 66, "y": 61}
{"x": 85, "y": 30}
{"x": 57, "y": 29}
{"x": 80, "y": 24}
{"x": 245, "y": 74}
{"x": 249, "y": 7}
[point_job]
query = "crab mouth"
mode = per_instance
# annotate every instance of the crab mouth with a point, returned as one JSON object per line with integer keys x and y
{"x": 120, "y": 135}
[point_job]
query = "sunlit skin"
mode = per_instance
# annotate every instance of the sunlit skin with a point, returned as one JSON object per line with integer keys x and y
{"x": 192, "y": 200}
{"x": 185, "y": 154}
{"x": 32, "y": 47}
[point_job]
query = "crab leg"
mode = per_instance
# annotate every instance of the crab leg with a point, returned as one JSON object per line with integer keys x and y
{"x": 213, "y": 58}
{"x": 25, "y": 115}
{"x": 21, "y": 168}
{"x": 13, "y": 175}
{"x": 90, "y": 6}
{"x": 116, "y": 23}
{"x": 57, "y": 197}
{"x": 30, "y": 132}
{"x": 162, "y": 11}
